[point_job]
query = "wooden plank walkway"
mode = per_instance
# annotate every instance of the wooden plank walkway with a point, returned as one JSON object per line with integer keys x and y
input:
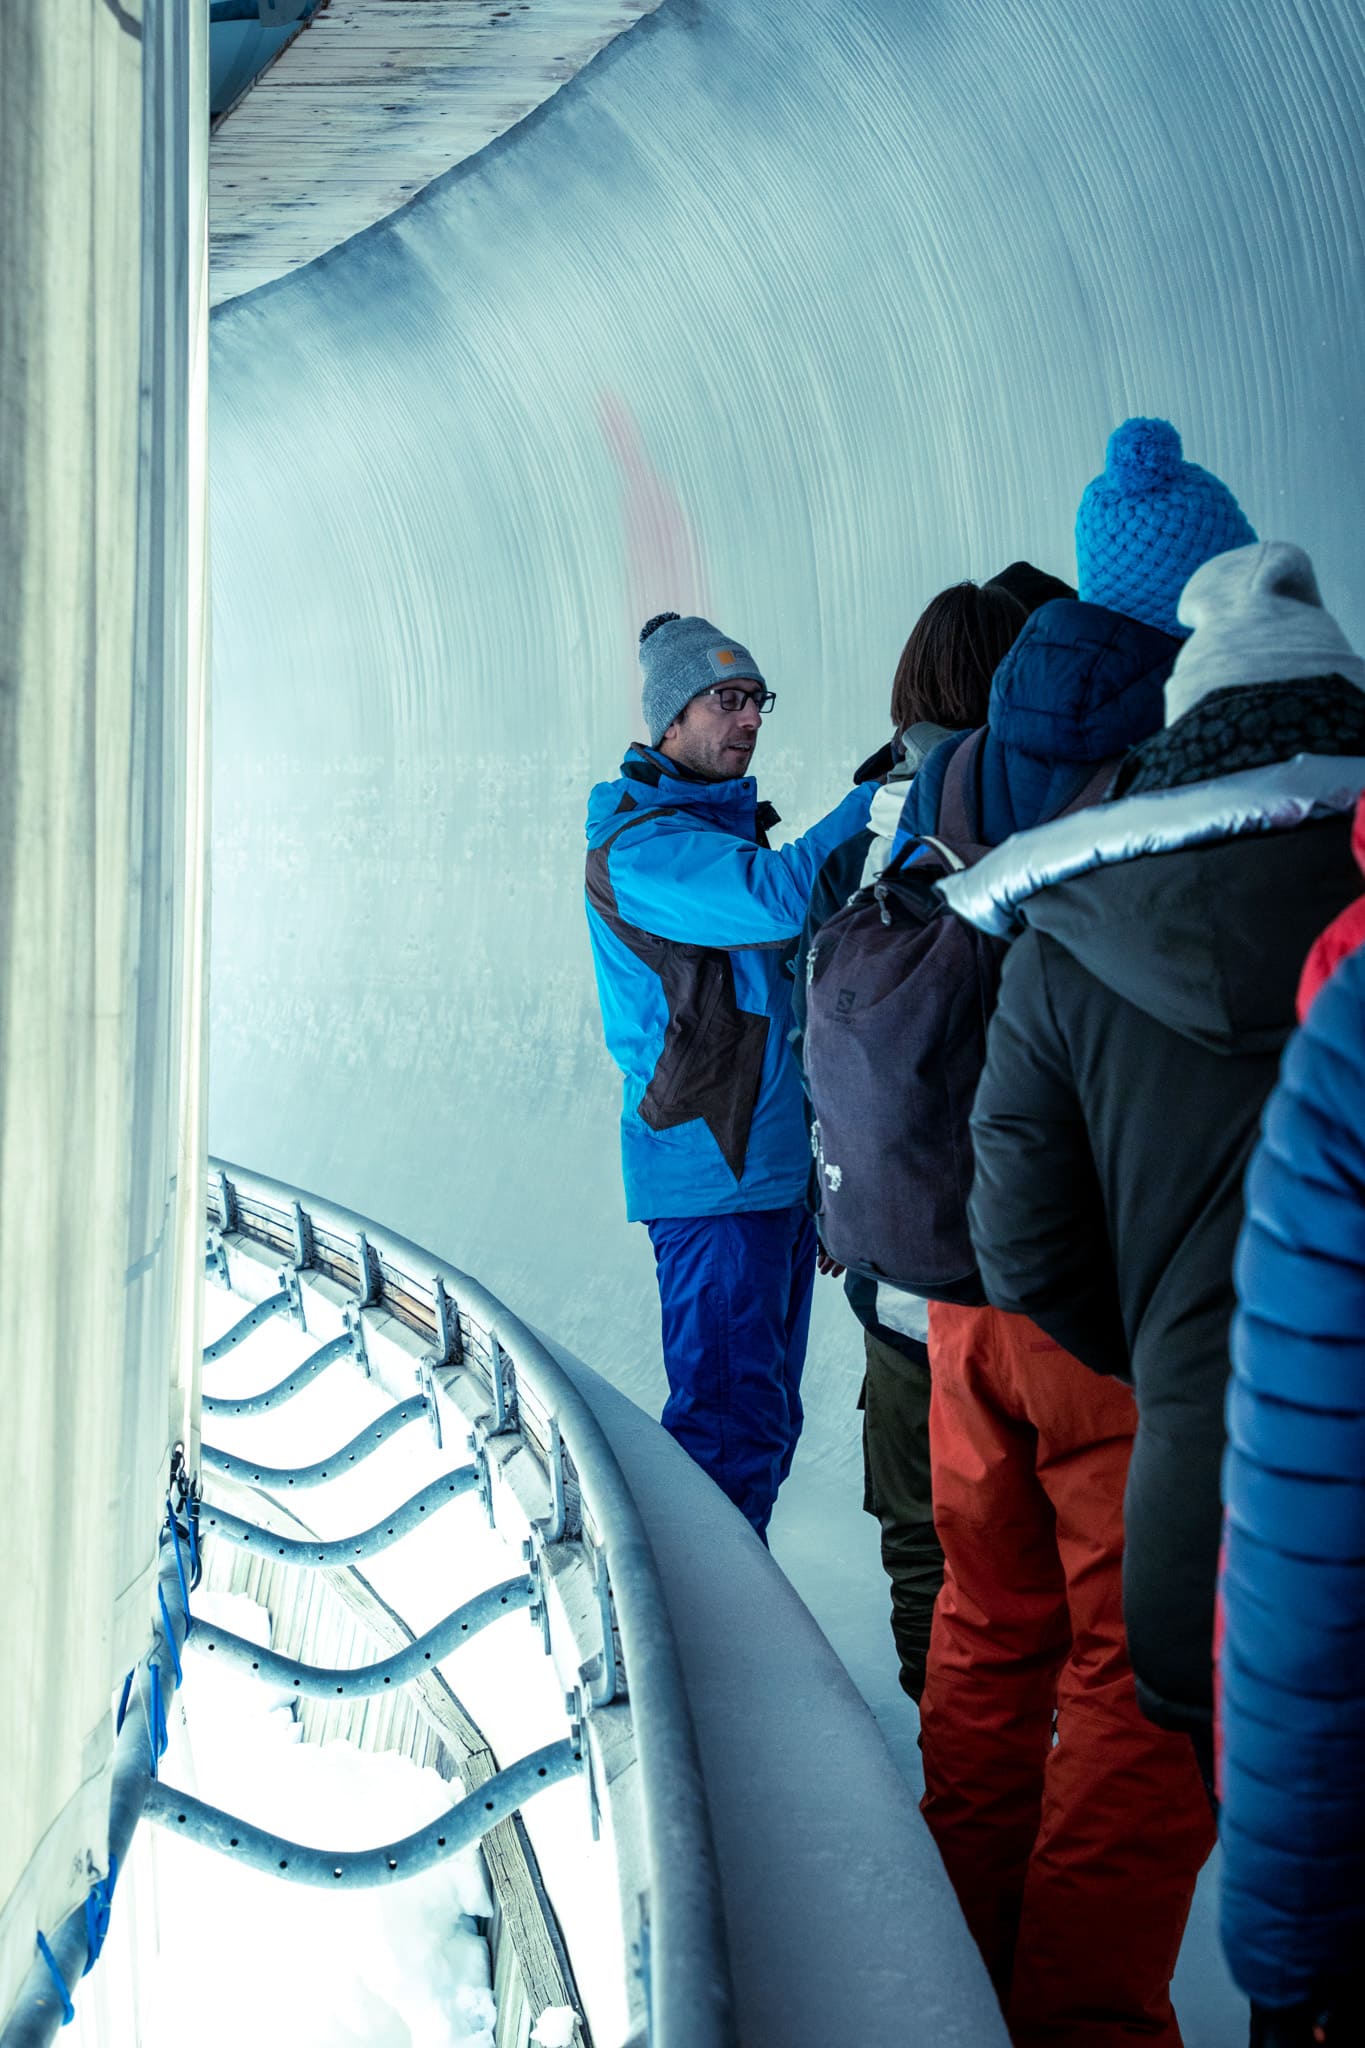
{"x": 370, "y": 103}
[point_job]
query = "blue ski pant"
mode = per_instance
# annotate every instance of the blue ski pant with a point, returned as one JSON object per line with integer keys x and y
{"x": 735, "y": 1298}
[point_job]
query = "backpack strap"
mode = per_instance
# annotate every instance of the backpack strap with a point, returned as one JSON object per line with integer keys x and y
{"x": 1095, "y": 787}
{"x": 954, "y": 822}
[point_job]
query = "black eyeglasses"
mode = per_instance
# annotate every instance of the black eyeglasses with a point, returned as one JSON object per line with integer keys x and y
{"x": 730, "y": 699}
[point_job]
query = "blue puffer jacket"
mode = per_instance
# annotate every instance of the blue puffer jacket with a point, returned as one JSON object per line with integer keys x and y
{"x": 1080, "y": 684}
{"x": 693, "y": 919}
{"x": 1293, "y": 1657}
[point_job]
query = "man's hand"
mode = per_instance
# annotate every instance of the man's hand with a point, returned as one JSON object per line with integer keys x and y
{"x": 826, "y": 1264}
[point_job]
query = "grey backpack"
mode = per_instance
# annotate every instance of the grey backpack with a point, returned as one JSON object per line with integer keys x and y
{"x": 899, "y": 995}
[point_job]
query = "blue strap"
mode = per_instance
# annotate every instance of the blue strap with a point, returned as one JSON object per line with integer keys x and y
{"x": 123, "y": 1702}
{"x": 68, "y": 2009}
{"x": 180, "y": 1573}
{"x": 170, "y": 1637}
{"x": 158, "y": 1717}
{"x": 99, "y": 1901}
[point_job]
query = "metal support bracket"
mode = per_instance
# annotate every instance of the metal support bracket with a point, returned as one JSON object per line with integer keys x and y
{"x": 506, "y": 1421}
{"x": 216, "y": 1260}
{"x": 227, "y": 1202}
{"x": 370, "y": 1278}
{"x": 426, "y": 1381}
{"x": 478, "y": 1444}
{"x": 292, "y": 1288}
{"x": 598, "y": 1674}
{"x": 355, "y": 1325}
{"x": 449, "y": 1335}
{"x": 576, "y": 1707}
{"x": 304, "y": 1248}
{"x": 535, "y": 1571}
{"x": 550, "y": 1528}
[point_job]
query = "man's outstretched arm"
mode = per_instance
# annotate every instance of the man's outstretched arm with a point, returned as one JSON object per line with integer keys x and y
{"x": 707, "y": 888}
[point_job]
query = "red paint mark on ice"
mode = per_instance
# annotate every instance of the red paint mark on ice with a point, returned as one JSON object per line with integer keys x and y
{"x": 664, "y": 570}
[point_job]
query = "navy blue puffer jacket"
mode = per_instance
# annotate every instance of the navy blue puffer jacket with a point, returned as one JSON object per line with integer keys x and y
{"x": 1293, "y": 1658}
{"x": 1080, "y": 684}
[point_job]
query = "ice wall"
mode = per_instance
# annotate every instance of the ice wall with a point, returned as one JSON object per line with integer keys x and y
{"x": 786, "y": 311}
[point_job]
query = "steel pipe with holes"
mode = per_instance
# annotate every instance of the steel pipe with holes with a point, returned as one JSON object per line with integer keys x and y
{"x": 360, "y": 1447}
{"x": 497, "y": 1799}
{"x": 313, "y": 1551}
{"x": 321, "y": 1681}
{"x": 283, "y": 1390}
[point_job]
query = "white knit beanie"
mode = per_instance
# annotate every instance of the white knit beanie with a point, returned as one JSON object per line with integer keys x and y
{"x": 1257, "y": 617}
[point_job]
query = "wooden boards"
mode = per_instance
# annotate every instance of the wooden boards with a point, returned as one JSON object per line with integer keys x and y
{"x": 370, "y": 103}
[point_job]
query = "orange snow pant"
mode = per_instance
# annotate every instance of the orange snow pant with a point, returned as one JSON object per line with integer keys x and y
{"x": 1074, "y": 1861}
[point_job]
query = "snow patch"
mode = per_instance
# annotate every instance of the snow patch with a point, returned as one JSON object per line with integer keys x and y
{"x": 554, "y": 2028}
{"x": 252, "y": 1958}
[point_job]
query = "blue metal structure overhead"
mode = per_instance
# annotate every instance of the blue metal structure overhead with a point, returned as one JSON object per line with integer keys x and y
{"x": 347, "y": 122}
{"x": 240, "y": 47}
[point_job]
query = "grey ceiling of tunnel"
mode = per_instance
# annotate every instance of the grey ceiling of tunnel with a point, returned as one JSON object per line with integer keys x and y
{"x": 788, "y": 313}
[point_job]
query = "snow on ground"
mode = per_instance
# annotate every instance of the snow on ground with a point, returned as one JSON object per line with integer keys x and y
{"x": 502, "y": 1676}
{"x": 554, "y": 2028}
{"x": 401, "y": 1966}
{"x": 236, "y": 1955}
{"x": 245, "y": 1957}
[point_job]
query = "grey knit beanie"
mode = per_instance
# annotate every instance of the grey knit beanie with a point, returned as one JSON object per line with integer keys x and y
{"x": 1257, "y": 617}
{"x": 680, "y": 658}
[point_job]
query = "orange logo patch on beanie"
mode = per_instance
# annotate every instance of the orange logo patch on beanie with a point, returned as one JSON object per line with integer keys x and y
{"x": 724, "y": 660}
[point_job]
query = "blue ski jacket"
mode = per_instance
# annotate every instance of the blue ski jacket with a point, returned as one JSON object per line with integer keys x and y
{"x": 693, "y": 920}
{"x": 1292, "y": 1667}
{"x": 1081, "y": 683}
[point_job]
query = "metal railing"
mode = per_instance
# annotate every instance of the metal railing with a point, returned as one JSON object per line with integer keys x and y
{"x": 520, "y": 1400}
{"x": 527, "y": 1401}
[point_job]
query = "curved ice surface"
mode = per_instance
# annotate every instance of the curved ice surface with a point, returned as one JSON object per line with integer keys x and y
{"x": 786, "y": 311}
{"x": 791, "y": 312}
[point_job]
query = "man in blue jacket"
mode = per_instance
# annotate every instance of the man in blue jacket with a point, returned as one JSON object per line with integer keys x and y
{"x": 693, "y": 919}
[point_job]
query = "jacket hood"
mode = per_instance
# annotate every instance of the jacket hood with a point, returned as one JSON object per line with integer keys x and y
{"x": 1197, "y": 904}
{"x": 1081, "y": 683}
{"x": 1211, "y": 940}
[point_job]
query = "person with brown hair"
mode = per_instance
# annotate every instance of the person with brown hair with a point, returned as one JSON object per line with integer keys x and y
{"x": 941, "y": 686}
{"x": 943, "y": 677}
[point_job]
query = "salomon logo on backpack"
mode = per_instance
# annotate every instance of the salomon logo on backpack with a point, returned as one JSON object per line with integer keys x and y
{"x": 899, "y": 996}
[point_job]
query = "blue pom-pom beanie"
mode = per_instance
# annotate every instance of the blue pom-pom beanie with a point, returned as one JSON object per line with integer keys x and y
{"x": 1149, "y": 522}
{"x": 680, "y": 658}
